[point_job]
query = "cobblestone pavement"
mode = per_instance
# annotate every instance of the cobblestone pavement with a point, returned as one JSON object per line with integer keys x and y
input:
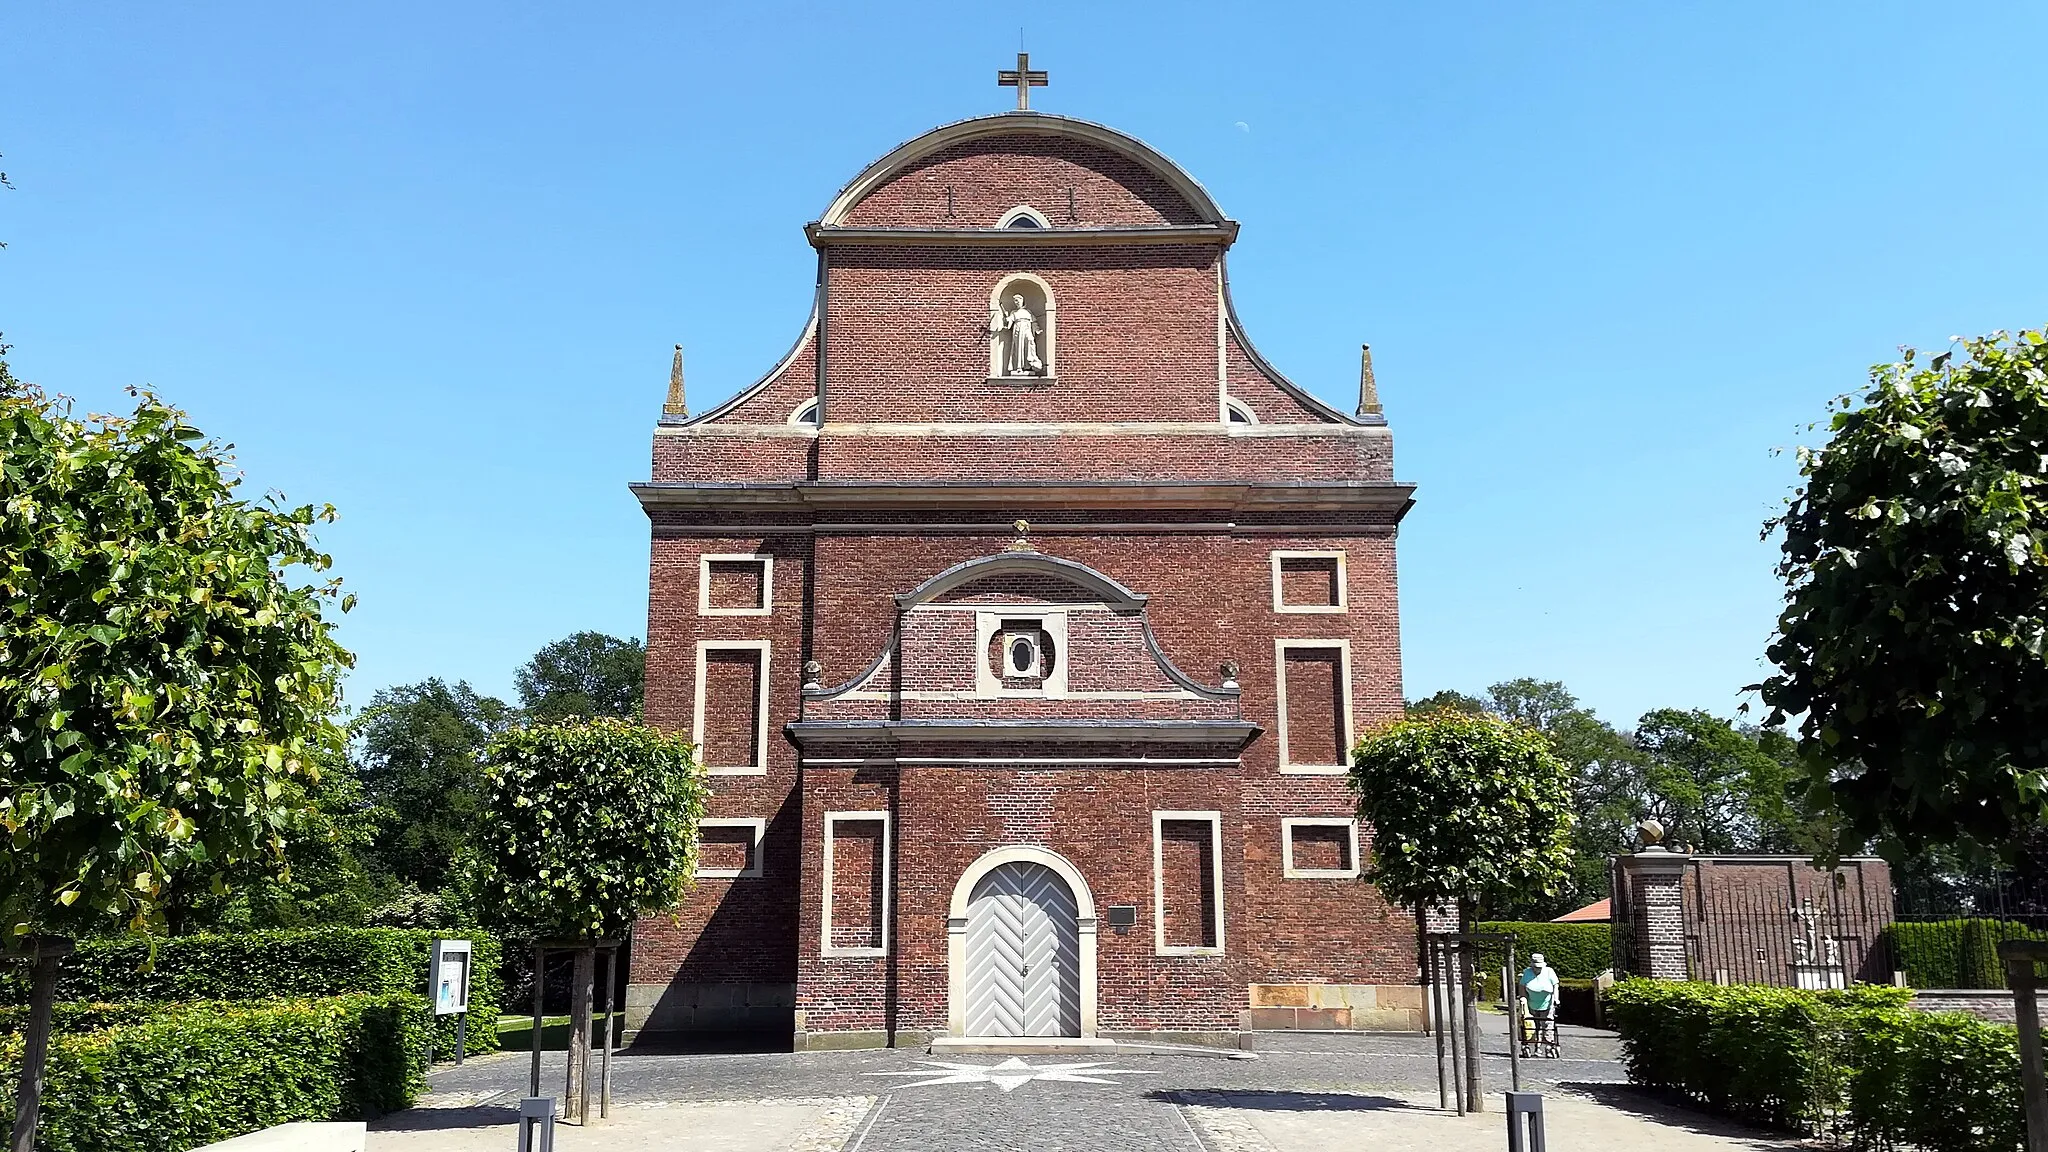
{"x": 889, "y": 1100}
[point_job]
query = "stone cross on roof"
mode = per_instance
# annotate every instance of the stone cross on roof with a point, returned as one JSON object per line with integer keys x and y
{"x": 1023, "y": 80}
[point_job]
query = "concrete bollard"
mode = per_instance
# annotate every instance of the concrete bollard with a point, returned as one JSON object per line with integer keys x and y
{"x": 1525, "y": 1122}
{"x": 537, "y": 1124}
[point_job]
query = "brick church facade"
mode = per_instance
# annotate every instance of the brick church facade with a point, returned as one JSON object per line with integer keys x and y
{"x": 1023, "y": 615}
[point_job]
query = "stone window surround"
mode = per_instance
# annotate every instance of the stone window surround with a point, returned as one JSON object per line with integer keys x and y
{"x": 826, "y": 878}
{"x": 760, "y": 765}
{"x": 1280, "y": 647}
{"x": 1232, "y": 406}
{"x": 1215, "y": 821}
{"x": 1290, "y": 823}
{"x": 990, "y": 622}
{"x": 1009, "y": 219}
{"x": 753, "y": 869}
{"x": 704, "y": 563}
{"x": 1343, "y": 603}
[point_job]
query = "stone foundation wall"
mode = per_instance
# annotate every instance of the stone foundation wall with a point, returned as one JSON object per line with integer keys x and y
{"x": 1993, "y": 1004}
{"x": 708, "y": 1007}
{"x": 1336, "y": 1007}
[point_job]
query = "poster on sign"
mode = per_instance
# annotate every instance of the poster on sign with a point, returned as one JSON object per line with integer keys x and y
{"x": 448, "y": 977}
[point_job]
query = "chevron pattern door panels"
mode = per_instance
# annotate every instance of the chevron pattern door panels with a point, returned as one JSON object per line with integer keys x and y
{"x": 1023, "y": 954}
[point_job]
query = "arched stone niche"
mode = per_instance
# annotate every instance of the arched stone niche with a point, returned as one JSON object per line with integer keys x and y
{"x": 1023, "y": 328}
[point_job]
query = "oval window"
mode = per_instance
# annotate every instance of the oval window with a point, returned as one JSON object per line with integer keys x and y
{"x": 1023, "y": 655}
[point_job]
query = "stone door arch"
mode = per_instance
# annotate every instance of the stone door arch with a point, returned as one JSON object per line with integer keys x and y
{"x": 1021, "y": 947}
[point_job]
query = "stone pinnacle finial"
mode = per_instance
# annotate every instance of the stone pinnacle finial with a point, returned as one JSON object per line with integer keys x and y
{"x": 676, "y": 405}
{"x": 1023, "y": 541}
{"x": 1368, "y": 388}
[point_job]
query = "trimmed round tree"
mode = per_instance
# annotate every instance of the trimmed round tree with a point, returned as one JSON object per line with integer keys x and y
{"x": 587, "y": 825}
{"x": 1913, "y": 646}
{"x": 166, "y": 687}
{"x": 1466, "y": 811}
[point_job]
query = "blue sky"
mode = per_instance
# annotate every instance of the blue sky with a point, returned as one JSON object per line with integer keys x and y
{"x": 425, "y": 262}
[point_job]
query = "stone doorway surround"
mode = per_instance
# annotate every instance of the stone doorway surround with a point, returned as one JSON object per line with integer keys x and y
{"x": 956, "y": 946}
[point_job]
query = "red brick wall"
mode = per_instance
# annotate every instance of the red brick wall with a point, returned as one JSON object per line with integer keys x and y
{"x": 1308, "y": 581}
{"x": 858, "y": 883}
{"x": 1187, "y": 889}
{"x": 1315, "y": 706}
{"x": 732, "y": 712}
{"x": 735, "y": 584}
{"x": 1134, "y": 335}
{"x": 990, "y": 176}
{"x": 1135, "y": 341}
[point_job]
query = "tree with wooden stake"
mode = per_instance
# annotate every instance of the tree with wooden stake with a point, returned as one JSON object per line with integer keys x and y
{"x": 588, "y": 824}
{"x": 1465, "y": 812}
{"x": 166, "y": 688}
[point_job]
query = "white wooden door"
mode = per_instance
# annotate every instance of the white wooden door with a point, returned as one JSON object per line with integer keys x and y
{"x": 1023, "y": 954}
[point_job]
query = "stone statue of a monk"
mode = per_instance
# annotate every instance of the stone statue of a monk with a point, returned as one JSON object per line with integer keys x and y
{"x": 1018, "y": 331}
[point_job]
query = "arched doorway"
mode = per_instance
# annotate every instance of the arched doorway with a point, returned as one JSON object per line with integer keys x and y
{"x": 1022, "y": 947}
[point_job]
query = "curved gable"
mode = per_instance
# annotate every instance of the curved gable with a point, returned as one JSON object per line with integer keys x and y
{"x": 973, "y": 173}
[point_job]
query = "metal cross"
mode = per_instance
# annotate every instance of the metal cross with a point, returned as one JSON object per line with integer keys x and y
{"x": 1023, "y": 80}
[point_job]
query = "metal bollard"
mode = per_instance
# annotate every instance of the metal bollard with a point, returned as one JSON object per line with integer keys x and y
{"x": 1525, "y": 1122}
{"x": 537, "y": 1124}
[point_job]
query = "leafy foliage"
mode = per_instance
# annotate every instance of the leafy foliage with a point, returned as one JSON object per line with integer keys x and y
{"x": 416, "y": 755}
{"x": 587, "y": 674}
{"x": 167, "y": 688}
{"x": 1855, "y": 1063}
{"x": 1713, "y": 785}
{"x": 1916, "y": 610}
{"x": 178, "y": 1076}
{"x": 589, "y": 824}
{"x": 278, "y": 964}
{"x": 1465, "y": 810}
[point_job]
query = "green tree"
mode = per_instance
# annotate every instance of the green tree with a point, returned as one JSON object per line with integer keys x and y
{"x": 168, "y": 687}
{"x": 588, "y": 825}
{"x": 1711, "y": 786}
{"x": 587, "y": 674}
{"x": 1467, "y": 811}
{"x": 1470, "y": 811}
{"x": 1607, "y": 787}
{"x": 1916, "y": 611}
{"x": 1448, "y": 699}
{"x": 416, "y": 753}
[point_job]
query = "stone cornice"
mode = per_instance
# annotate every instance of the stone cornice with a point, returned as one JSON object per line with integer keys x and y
{"x": 830, "y": 235}
{"x": 811, "y": 733}
{"x": 1384, "y": 500}
{"x": 1022, "y": 428}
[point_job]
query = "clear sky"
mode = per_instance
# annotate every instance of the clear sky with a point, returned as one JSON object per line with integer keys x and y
{"x": 425, "y": 261}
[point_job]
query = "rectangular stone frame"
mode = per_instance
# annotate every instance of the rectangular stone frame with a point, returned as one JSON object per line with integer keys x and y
{"x": 825, "y": 947}
{"x": 1287, "y": 869}
{"x": 760, "y": 765}
{"x": 1280, "y": 647}
{"x": 753, "y": 869}
{"x": 704, "y": 563}
{"x": 1159, "y": 945}
{"x": 1343, "y": 603}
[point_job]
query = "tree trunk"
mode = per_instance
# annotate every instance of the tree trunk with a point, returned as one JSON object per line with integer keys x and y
{"x": 28, "y": 1101}
{"x": 576, "y": 1096}
{"x": 1475, "y": 1101}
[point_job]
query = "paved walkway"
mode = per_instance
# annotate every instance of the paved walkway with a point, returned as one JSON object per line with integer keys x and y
{"x": 1303, "y": 1092}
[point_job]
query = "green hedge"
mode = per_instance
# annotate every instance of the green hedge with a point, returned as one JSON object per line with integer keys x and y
{"x": 172, "y": 1077}
{"x": 280, "y": 963}
{"x": 1577, "y": 951}
{"x": 1855, "y": 1063}
{"x": 1953, "y": 953}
